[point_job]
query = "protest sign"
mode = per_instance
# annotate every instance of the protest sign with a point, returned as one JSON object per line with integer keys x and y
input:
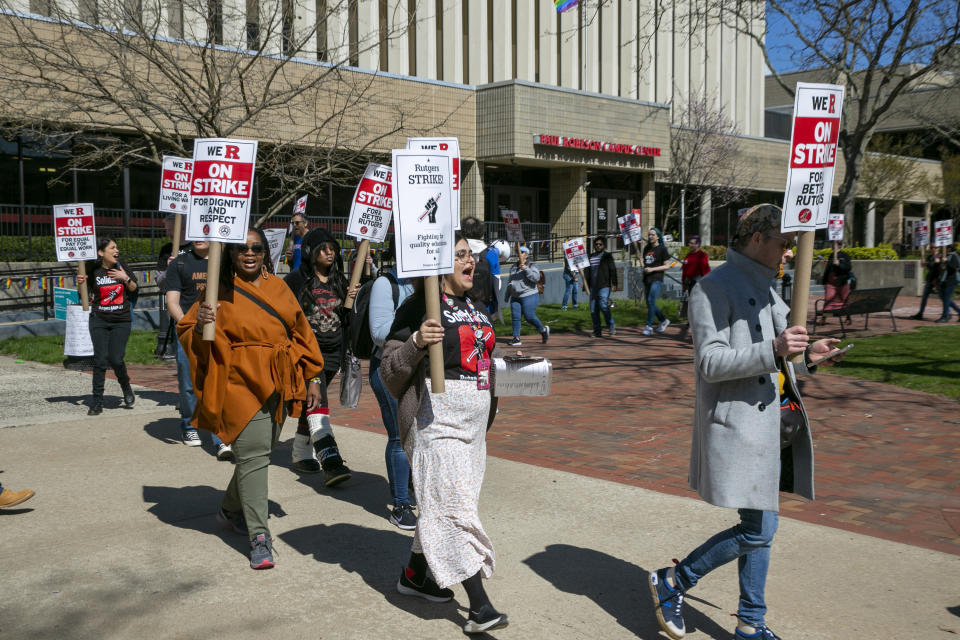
{"x": 943, "y": 233}
{"x": 62, "y": 298}
{"x": 630, "y": 229}
{"x": 921, "y": 233}
{"x": 74, "y": 232}
{"x": 372, "y": 205}
{"x": 175, "y": 185}
{"x": 300, "y": 206}
{"x": 449, "y": 147}
{"x": 221, "y": 189}
{"x": 575, "y": 251}
{"x": 813, "y": 154}
{"x": 423, "y": 215}
{"x": 76, "y": 338}
{"x": 521, "y": 378}
{"x": 511, "y": 220}
{"x": 276, "y": 238}
{"x": 835, "y": 227}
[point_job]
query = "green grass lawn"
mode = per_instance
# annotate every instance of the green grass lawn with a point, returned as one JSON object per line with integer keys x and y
{"x": 49, "y": 349}
{"x": 928, "y": 360}
{"x": 626, "y": 313}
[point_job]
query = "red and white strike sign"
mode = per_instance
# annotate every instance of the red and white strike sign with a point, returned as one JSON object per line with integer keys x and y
{"x": 835, "y": 227}
{"x": 511, "y": 220}
{"x": 449, "y": 147}
{"x": 372, "y": 205}
{"x": 630, "y": 229}
{"x": 74, "y": 232}
{"x": 943, "y": 233}
{"x": 221, "y": 189}
{"x": 813, "y": 154}
{"x": 175, "y": 185}
{"x": 300, "y": 206}
{"x": 575, "y": 251}
{"x": 921, "y": 233}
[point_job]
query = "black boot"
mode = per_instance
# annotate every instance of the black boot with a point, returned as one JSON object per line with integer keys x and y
{"x": 334, "y": 470}
{"x": 128, "y": 397}
{"x": 96, "y": 406}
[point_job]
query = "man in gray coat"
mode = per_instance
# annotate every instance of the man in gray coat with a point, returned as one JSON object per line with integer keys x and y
{"x": 740, "y": 457}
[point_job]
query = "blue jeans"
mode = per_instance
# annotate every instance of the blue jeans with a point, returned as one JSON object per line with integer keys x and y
{"x": 927, "y": 290}
{"x": 946, "y": 296}
{"x": 748, "y": 541}
{"x": 188, "y": 401}
{"x": 600, "y": 301}
{"x": 653, "y": 292}
{"x": 398, "y": 467}
{"x": 528, "y": 307}
{"x": 570, "y": 289}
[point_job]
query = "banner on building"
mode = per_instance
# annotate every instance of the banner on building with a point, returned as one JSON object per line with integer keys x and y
{"x": 74, "y": 232}
{"x": 921, "y": 233}
{"x": 448, "y": 147}
{"x": 575, "y": 251}
{"x": 630, "y": 229}
{"x": 175, "y": 185}
{"x": 300, "y": 206}
{"x": 276, "y": 238}
{"x": 813, "y": 154}
{"x": 511, "y": 221}
{"x": 221, "y": 189}
{"x": 943, "y": 233}
{"x": 835, "y": 227}
{"x": 372, "y": 205}
{"x": 422, "y": 213}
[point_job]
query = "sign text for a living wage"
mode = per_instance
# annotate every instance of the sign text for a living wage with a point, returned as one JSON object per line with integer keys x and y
{"x": 175, "y": 185}
{"x": 221, "y": 189}
{"x": 74, "y": 232}
{"x": 511, "y": 221}
{"x": 448, "y": 147}
{"x": 630, "y": 229}
{"x": 813, "y": 155}
{"x": 943, "y": 233}
{"x": 835, "y": 227}
{"x": 575, "y": 251}
{"x": 422, "y": 213}
{"x": 372, "y": 205}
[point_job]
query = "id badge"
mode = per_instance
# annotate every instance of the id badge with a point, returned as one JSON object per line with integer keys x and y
{"x": 483, "y": 374}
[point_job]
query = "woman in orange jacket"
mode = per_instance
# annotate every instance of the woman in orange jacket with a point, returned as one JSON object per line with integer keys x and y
{"x": 250, "y": 378}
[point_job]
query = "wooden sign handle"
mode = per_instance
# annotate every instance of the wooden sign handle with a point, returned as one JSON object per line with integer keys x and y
{"x": 431, "y": 290}
{"x": 177, "y": 229}
{"x": 586, "y": 286}
{"x": 82, "y": 287}
{"x": 801, "y": 284}
{"x": 213, "y": 286}
{"x": 362, "y": 252}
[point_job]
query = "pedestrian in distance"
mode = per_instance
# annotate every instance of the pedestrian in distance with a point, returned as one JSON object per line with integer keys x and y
{"x": 249, "y": 378}
{"x": 744, "y": 449}
{"x": 602, "y": 275}
{"x": 948, "y": 283}
{"x": 299, "y": 227}
{"x": 10, "y": 498}
{"x": 571, "y": 281}
{"x": 695, "y": 265}
{"x": 321, "y": 288}
{"x": 932, "y": 279}
{"x": 186, "y": 282}
{"x": 113, "y": 289}
{"x": 656, "y": 260}
{"x": 444, "y": 436}
{"x": 836, "y": 280}
{"x": 524, "y": 297}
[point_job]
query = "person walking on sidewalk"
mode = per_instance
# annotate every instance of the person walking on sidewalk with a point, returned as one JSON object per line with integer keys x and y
{"x": 948, "y": 283}
{"x": 10, "y": 498}
{"x": 321, "y": 288}
{"x": 186, "y": 280}
{"x": 382, "y": 312}
{"x": 744, "y": 450}
{"x": 934, "y": 263}
{"x": 656, "y": 259}
{"x": 444, "y": 436}
{"x": 603, "y": 279}
{"x": 696, "y": 264}
{"x": 249, "y": 378}
{"x": 112, "y": 291}
{"x": 524, "y": 297}
{"x": 571, "y": 280}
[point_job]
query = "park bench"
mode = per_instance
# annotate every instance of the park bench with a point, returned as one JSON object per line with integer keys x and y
{"x": 860, "y": 302}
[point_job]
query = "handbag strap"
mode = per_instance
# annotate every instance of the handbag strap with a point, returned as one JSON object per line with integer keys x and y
{"x": 266, "y": 307}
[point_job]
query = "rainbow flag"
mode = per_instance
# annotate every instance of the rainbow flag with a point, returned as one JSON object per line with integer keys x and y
{"x": 564, "y": 5}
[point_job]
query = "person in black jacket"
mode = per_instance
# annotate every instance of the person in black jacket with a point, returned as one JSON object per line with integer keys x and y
{"x": 931, "y": 281}
{"x": 836, "y": 278}
{"x": 603, "y": 279}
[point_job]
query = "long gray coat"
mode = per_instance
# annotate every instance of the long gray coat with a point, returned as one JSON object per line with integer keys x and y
{"x": 735, "y": 314}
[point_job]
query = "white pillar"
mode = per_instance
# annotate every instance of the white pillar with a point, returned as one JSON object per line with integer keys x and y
{"x": 706, "y": 217}
{"x": 870, "y": 226}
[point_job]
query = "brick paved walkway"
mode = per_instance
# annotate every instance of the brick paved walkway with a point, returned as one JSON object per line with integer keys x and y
{"x": 621, "y": 410}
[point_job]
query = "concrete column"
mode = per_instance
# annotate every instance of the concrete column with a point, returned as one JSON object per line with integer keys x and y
{"x": 398, "y": 58}
{"x": 568, "y": 201}
{"x": 706, "y": 217}
{"x": 471, "y": 190}
{"x": 893, "y": 224}
{"x": 870, "y": 225}
{"x": 368, "y": 34}
{"x": 648, "y": 204}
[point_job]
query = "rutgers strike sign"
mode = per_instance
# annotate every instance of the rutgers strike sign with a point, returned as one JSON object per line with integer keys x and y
{"x": 813, "y": 155}
{"x": 175, "y": 184}
{"x": 74, "y": 232}
{"x": 221, "y": 189}
{"x": 372, "y": 205}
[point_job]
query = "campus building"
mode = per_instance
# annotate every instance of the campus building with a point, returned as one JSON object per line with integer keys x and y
{"x": 566, "y": 118}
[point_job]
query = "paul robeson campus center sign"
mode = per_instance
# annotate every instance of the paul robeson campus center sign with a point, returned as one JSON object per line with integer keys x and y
{"x": 585, "y": 144}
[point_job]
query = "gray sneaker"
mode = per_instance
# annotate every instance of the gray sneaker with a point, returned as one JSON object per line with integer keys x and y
{"x": 613, "y": 331}
{"x": 261, "y": 552}
{"x": 404, "y": 518}
{"x": 663, "y": 325}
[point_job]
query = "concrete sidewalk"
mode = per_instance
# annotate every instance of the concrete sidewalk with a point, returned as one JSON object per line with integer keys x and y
{"x": 120, "y": 542}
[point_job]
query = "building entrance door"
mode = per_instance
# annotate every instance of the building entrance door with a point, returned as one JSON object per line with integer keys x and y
{"x": 604, "y": 209}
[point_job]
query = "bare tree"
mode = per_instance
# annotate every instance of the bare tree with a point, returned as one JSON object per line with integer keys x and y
{"x": 878, "y": 49}
{"x": 704, "y": 146}
{"x": 115, "y": 83}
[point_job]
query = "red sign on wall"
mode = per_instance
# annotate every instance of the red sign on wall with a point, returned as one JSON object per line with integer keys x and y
{"x": 595, "y": 145}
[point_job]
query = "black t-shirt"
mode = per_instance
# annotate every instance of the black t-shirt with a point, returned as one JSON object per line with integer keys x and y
{"x": 654, "y": 257}
{"x": 188, "y": 275}
{"x": 110, "y": 298}
{"x": 324, "y": 317}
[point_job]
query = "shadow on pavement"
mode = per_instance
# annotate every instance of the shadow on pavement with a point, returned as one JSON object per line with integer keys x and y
{"x": 167, "y": 431}
{"x": 377, "y": 556}
{"x": 617, "y": 586}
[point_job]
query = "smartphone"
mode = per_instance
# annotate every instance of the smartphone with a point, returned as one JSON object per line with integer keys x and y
{"x": 832, "y": 355}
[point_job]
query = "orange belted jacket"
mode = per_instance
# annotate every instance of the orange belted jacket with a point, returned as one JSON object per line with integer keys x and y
{"x": 251, "y": 357}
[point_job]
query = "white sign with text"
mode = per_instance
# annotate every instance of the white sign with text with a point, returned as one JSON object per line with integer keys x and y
{"x": 276, "y": 238}
{"x": 74, "y": 232}
{"x": 511, "y": 220}
{"x": 630, "y": 229}
{"x": 921, "y": 233}
{"x": 449, "y": 147}
{"x": 943, "y": 233}
{"x": 835, "y": 227}
{"x": 175, "y": 185}
{"x": 422, "y": 213}
{"x": 575, "y": 251}
{"x": 221, "y": 189}
{"x": 372, "y": 205}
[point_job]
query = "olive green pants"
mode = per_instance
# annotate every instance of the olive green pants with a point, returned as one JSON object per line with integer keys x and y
{"x": 247, "y": 491}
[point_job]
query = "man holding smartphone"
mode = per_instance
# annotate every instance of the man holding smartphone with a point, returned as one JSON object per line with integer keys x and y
{"x": 741, "y": 455}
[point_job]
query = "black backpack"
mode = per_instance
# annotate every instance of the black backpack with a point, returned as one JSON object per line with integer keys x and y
{"x": 358, "y": 325}
{"x": 482, "y": 290}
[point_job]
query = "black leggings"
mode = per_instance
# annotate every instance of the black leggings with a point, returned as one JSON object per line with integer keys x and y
{"x": 109, "y": 346}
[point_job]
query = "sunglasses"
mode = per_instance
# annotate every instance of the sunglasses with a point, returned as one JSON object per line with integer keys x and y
{"x": 256, "y": 248}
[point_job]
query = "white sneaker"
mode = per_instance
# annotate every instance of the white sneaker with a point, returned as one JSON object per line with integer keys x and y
{"x": 663, "y": 325}
{"x": 191, "y": 438}
{"x": 648, "y": 331}
{"x": 302, "y": 448}
{"x": 224, "y": 452}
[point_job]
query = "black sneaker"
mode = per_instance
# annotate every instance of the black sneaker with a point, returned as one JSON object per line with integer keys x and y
{"x": 515, "y": 342}
{"x": 545, "y": 334}
{"x": 487, "y": 619}
{"x": 429, "y": 590}
{"x": 403, "y": 517}
{"x": 917, "y": 316}
{"x": 233, "y": 521}
{"x": 96, "y": 408}
{"x": 334, "y": 470}
{"x": 762, "y": 633}
{"x": 128, "y": 397}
